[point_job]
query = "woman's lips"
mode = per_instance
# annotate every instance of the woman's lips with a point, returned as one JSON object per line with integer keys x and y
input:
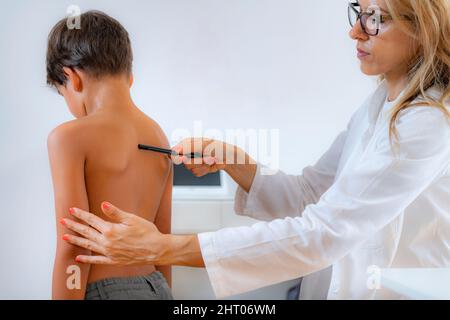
{"x": 362, "y": 53}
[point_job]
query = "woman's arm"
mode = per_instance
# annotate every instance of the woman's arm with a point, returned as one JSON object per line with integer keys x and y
{"x": 256, "y": 197}
{"x": 163, "y": 220}
{"x": 367, "y": 196}
{"x": 67, "y": 166}
{"x": 243, "y": 174}
{"x": 293, "y": 192}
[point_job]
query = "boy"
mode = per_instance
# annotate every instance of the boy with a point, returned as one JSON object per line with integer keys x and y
{"x": 95, "y": 157}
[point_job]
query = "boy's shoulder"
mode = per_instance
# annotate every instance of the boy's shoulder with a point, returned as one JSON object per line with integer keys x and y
{"x": 87, "y": 134}
{"x": 78, "y": 129}
{"x": 70, "y": 135}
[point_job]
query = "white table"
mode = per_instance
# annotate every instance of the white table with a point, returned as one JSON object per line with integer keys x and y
{"x": 418, "y": 283}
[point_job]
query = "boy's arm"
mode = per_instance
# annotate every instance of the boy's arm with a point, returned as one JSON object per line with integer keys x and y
{"x": 163, "y": 220}
{"x": 67, "y": 159}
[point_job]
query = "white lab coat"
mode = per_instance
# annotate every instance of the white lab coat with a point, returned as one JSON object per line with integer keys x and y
{"x": 359, "y": 208}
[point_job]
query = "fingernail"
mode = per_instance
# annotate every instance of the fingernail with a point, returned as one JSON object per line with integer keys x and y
{"x": 65, "y": 237}
{"x": 77, "y": 259}
{"x": 209, "y": 160}
{"x": 71, "y": 210}
{"x": 106, "y": 205}
{"x": 63, "y": 222}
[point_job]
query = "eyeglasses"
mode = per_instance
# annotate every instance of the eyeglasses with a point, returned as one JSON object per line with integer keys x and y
{"x": 370, "y": 20}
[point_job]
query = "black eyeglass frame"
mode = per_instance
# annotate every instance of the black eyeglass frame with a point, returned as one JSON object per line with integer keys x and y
{"x": 360, "y": 15}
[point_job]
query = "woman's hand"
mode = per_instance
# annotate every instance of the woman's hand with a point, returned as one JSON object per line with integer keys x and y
{"x": 129, "y": 240}
{"x": 217, "y": 155}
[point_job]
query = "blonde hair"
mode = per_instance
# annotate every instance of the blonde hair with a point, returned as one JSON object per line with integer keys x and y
{"x": 428, "y": 22}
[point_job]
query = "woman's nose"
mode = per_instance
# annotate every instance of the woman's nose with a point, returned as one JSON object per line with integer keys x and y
{"x": 357, "y": 33}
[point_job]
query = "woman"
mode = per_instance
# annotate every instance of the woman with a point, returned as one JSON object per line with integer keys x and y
{"x": 378, "y": 198}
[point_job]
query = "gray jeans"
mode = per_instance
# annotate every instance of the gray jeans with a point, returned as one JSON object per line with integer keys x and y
{"x": 149, "y": 287}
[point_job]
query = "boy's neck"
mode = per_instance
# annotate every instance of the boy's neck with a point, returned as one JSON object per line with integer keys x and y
{"x": 108, "y": 94}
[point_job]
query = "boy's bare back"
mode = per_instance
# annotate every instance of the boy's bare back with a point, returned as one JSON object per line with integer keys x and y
{"x": 117, "y": 171}
{"x": 95, "y": 158}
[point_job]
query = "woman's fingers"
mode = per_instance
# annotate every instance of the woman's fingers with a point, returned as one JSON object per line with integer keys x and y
{"x": 82, "y": 229}
{"x": 210, "y": 161}
{"x": 176, "y": 158}
{"x": 189, "y": 145}
{"x": 185, "y": 146}
{"x": 211, "y": 150}
{"x": 197, "y": 163}
{"x": 204, "y": 170}
{"x": 84, "y": 243}
{"x": 94, "y": 259}
{"x": 114, "y": 213}
{"x": 178, "y": 148}
{"x": 90, "y": 219}
{"x": 208, "y": 165}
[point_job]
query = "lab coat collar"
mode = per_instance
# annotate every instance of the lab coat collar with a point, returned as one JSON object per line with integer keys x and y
{"x": 379, "y": 100}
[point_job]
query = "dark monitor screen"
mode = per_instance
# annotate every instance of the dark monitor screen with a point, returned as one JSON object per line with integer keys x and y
{"x": 184, "y": 177}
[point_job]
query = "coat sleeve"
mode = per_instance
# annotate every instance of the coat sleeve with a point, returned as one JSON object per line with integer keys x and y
{"x": 281, "y": 195}
{"x": 364, "y": 199}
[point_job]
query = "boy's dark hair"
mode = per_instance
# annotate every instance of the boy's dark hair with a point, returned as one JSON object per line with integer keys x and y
{"x": 100, "y": 46}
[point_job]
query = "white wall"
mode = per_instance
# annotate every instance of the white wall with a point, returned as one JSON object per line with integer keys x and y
{"x": 274, "y": 64}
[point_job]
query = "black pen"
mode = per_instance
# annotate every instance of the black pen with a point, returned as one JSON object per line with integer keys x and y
{"x": 169, "y": 152}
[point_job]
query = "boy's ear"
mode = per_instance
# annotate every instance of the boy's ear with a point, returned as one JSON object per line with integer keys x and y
{"x": 131, "y": 80}
{"x": 74, "y": 77}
